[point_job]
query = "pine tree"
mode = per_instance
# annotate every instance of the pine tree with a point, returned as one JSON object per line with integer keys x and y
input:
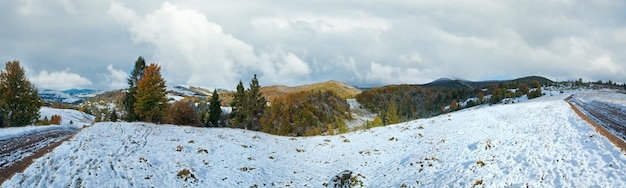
{"x": 215, "y": 110}
{"x": 133, "y": 82}
{"x": 113, "y": 115}
{"x": 256, "y": 104}
{"x": 151, "y": 104}
{"x": 239, "y": 106}
{"x": 19, "y": 99}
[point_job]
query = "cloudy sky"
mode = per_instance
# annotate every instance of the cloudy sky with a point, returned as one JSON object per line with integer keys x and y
{"x": 93, "y": 44}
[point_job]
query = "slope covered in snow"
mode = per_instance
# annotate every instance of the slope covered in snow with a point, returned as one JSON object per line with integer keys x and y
{"x": 539, "y": 143}
{"x": 78, "y": 120}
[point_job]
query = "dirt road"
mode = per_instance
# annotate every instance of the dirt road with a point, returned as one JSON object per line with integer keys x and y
{"x": 17, "y": 153}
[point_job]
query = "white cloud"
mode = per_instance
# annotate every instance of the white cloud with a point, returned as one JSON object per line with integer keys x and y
{"x": 326, "y": 24}
{"x": 115, "y": 79}
{"x": 217, "y": 43}
{"x": 59, "y": 80}
{"x": 606, "y": 65}
{"x": 68, "y": 6}
{"x": 389, "y": 74}
{"x": 193, "y": 50}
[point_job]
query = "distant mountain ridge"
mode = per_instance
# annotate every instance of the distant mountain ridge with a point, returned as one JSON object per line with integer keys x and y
{"x": 466, "y": 84}
{"x": 58, "y": 96}
{"x": 70, "y": 96}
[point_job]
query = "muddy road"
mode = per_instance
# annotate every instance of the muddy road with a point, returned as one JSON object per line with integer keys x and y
{"x": 17, "y": 153}
{"x": 608, "y": 116}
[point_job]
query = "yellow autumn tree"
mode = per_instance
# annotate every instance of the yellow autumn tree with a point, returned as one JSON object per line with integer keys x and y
{"x": 19, "y": 101}
{"x": 151, "y": 104}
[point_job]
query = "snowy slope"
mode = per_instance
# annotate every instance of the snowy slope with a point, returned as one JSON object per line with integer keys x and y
{"x": 539, "y": 143}
{"x": 78, "y": 118}
{"x": 605, "y": 96}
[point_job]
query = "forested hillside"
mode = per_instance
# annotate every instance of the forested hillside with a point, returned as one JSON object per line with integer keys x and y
{"x": 306, "y": 114}
{"x": 444, "y": 95}
{"x": 412, "y": 101}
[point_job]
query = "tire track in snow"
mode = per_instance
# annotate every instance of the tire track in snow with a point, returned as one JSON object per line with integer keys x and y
{"x": 578, "y": 107}
{"x": 17, "y": 153}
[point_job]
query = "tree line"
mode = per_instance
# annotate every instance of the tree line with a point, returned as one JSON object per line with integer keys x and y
{"x": 296, "y": 114}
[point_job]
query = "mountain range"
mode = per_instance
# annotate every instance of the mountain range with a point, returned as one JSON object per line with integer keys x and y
{"x": 344, "y": 90}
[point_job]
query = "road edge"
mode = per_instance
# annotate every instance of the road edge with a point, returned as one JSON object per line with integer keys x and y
{"x": 616, "y": 141}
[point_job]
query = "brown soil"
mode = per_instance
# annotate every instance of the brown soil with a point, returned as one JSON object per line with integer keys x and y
{"x": 619, "y": 143}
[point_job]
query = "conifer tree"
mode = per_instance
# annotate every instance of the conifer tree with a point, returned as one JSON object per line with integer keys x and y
{"x": 113, "y": 115}
{"x": 215, "y": 110}
{"x": 391, "y": 114}
{"x": 19, "y": 99}
{"x": 239, "y": 102}
{"x": 151, "y": 104}
{"x": 256, "y": 104}
{"x": 133, "y": 80}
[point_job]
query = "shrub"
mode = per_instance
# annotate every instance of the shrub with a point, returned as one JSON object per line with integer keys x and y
{"x": 181, "y": 113}
{"x": 55, "y": 119}
{"x": 202, "y": 150}
{"x": 477, "y": 183}
{"x": 186, "y": 175}
{"x": 346, "y": 179}
{"x": 44, "y": 121}
{"x": 480, "y": 163}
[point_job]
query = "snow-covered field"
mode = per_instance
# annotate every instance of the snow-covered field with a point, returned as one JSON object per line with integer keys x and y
{"x": 610, "y": 97}
{"x": 539, "y": 143}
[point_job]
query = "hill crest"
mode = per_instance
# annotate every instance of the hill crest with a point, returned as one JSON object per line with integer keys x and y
{"x": 342, "y": 89}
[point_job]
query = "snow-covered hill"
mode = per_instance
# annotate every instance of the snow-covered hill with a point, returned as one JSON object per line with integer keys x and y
{"x": 538, "y": 143}
{"x": 77, "y": 118}
{"x": 71, "y": 96}
{"x": 58, "y": 96}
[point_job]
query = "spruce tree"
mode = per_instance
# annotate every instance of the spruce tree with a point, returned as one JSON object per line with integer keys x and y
{"x": 256, "y": 104}
{"x": 133, "y": 80}
{"x": 239, "y": 106}
{"x": 215, "y": 110}
{"x": 19, "y": 99}
{"x": 151, "y": 104}
{"x": 113, "y": 115}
